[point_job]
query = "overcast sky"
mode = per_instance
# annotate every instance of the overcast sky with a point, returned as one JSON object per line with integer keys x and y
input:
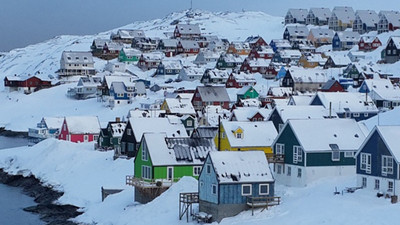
{"x": 24, "y": 22}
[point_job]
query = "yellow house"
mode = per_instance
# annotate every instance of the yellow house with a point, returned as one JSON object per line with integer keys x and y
{"x": 240, "y": 48}
{"x": 246, "y": 136}
{"x": 311, "y": 60}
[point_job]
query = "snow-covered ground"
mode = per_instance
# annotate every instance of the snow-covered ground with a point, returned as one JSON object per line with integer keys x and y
{"x": 80, "y": 172}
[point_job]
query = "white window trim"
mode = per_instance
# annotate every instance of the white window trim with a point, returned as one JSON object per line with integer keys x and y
{"x": 146, "y": 175}
{"x": 145, "y": 156}
{"x": 333, "y": 154}
{"x": 259, "y": 189}
{"x": 297, "y": 154}
{"x": 198, "y": 169}
{"x": 386, "y": 169}
{"x": 247, "y": 185}
{"x": 280, "y": 149}
{"x": 348, "y": 154}
{"x": 364, "y": 157}
{"x": 212, "y": 188}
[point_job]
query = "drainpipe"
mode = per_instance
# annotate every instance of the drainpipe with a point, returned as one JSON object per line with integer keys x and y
{"x": 219, "y": 133}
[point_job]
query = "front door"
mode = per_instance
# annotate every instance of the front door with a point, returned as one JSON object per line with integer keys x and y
{"x": 170, "y": 173}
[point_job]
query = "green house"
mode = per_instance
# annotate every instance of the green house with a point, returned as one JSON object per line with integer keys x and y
{"x": 168, "y": 159}
{"x": 188, "y": 122}
{"x": 246, "y": 92}
{"x": 310, "y": 149}
{"x": 110, "y": 137}
{"x": 129, "y": 55}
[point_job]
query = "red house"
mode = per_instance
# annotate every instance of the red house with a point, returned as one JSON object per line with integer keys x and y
{"x": 149, "y": 61}
{"x": 255, "y": 65}
{"x": 187, "y": 31}
{"x": 332, "y": 86}
{"x": 256, "y": 41}
{"x": 210, "y": 95}
{"x": 261, "y": 52}
{"x": 239, "y": 80}
{"x": 187, "y": 47}
{"x": 369, "y": 43}
{"x": 80, "y": 129}
{"x": 26, "y": 84}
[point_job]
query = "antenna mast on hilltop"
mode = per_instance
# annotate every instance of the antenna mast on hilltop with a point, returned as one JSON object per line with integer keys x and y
{"x": 191, "y": 4}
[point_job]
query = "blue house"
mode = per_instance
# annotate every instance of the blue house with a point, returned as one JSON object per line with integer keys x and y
{"x": 121, "y": 93}
{"x": 229, "y": 179}
{"x": 168, "y": 67}
{"x": 378, "y": 161}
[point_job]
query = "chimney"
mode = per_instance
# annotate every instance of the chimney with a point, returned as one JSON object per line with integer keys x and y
{"x": 117, "y": 119}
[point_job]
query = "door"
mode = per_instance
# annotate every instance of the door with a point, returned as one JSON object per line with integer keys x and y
{"x": 170, "y": 173}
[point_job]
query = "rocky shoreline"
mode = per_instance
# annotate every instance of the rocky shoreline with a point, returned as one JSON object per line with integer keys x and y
{"x": 10, "y": 133}
{"x": 49, "y": 212}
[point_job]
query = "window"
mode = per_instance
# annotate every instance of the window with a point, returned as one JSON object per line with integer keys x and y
{"x": 263, "y": 189}
{"x": 365, "y": 114}
{"x": 387, "y": 165}
{"x": 280, "y": 149}
{"x": 281, "y": 126}
{"x": 364, "y": 182}
{"x": 348, "y": 154}
{"x": 129, "y": 132}
{"x": 196, "y": 170}
{"x": 365, "y": 162}
{"x": 223, "y": 135}
{"x": 65, "y": 126}
{"x": 356, "y": 114}
{"x": 146, "y": 172}
{"x": 335, "y": 155}
{"x": 95, "y": 137}
{"x": 208, "y": 168}
{"x": 289, "y": 171}
{"x": 390, "y": 186}
{"x": 376, "y": 184}
{"x": 386, "y": 104}
{"x": 214, "y": 189}
{"x": 278, "y": 169}
{"x": 189, "y": 123}
{"x": 299, "y": 172}
{"x": 239, "y": 135}
{"x": 246, "y": 189}
{"x": 297, "y": 154}
{"x": 85, "y": 138}
{"x": 144, "y": 152}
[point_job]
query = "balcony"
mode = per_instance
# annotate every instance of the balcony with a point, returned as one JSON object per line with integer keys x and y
{"x": 151, "y": 183}
{"x": 275, "y": 158}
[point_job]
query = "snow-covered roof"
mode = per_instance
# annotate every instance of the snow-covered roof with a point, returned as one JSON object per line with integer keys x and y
{"x": 382, "y": 89}
{"x": 169, "y": 43}
{"x": 194, "y": 71}
{"x": 113, "y": 78}
{"x": 346, "y": 134}
{"x": 83, "y": 124}
{"x": 53, "y": 122}
{"x": 290, "y": 53}
{"x": 297, "y": 30}
{"x": 180, "y": 106}
{"x": 166, "y": 151}
{"x": 244, "y": 77}
{"x": 250, "y": 102}
{"x": 390, "y": 135}
{"x": 396, "y": 41}
{"x": 233, "y": 58}
{"x": 339, "y": 59}
{"x": 321, "y": 13}
{"x": 129, "y": 52}
{"x": 255, "y": 134}
{"x": 368, "y": 38}
{"x": 137, "y": 113}
{"x": 140, "y": 88}
{"x": 148, "y": 125}
{"x": 244, "y": 89}
{"x": 288, "y": 112}
{"x": 246, "y": 113}
{"x": 241, "y": 167}
{"x": 239, "y": 45}
{"x": 130, "y": 34}
{"x": 188, "y": 28}
{"x": 76, "y": 57}
{"x": 89, "y": 81}
{"x": 298, "y": 14}
{"x": 392, "y": 17}
{"x": 252, "y": 39}
{"x": 172, "y": 64}
{"x": 213, "y": 93}
{"x": 281, "y": 43}
{"x": 303, "y": 75}
{"x": 349, "y": 36}
{"x": 259, "y": 62}
{"x": 316, "y": 58}
{"x": 280, "y": 91}
{"x": 218, "y": 74}
{"x": 300, "y": 100}
{"x": 153, "y": 56}
{"x": 118, "y": 129}
{"x": 368, "y": 17}
{"x": 186, "y": 44}
{"x": 347, "y": 101}
{"x": 344, "y": 13}
{"x": 322, "y": 33}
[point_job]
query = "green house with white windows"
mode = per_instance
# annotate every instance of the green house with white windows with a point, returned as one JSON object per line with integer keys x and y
{"x": 311, "y": 149}
{"x": 129, "y": 55}
{"x": 161, "y": 161}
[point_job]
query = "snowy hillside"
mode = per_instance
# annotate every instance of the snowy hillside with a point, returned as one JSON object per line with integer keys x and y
{"x": 43, "y": 59}
{"x": 64, "y": 165}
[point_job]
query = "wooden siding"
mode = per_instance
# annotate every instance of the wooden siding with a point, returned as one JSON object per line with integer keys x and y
{"x": 232, "y": 193}
{"x": 205, "y": 183}
{"x": 289, "y": 140}
{"x": 138, "y": 163}
{"x": 325, "y": 159}
{"x": 377, "y": 148}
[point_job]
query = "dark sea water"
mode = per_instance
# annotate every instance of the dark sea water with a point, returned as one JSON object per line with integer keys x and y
{"x": 12, "y": 200}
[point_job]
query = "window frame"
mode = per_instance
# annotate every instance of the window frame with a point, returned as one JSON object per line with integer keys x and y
{"x": 196, "y": 170}
{"x": 386, "y": 168}
{"x": 250, "y": 190}
{"x": 214, "y": 187}
{"x": 263, "y": 193}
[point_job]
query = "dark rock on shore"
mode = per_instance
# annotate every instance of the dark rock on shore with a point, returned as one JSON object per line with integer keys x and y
{"x": 44, "y": 197}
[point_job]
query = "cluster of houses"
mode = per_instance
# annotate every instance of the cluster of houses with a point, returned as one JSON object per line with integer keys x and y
{"x": 239, "y": 145}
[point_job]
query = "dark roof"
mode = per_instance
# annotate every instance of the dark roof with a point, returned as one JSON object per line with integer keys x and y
{"x": 328, "y": 85}
{"x": 205, "y": 132}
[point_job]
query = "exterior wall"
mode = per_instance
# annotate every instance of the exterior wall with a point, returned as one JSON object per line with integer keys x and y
{"x": 383, "y": 184}
{"x": 139, "y": 163}
{"x": 325, "y": 159}
{"x": 232, "y": 193}
{"x": 128, "y": 142}
{"x": 219, "y": 212}
{"x": 377, "y": 148}
{"x": 225, "y": 145}
{"x": 289, "y": 139}
{"x": 276, "y": 119}
{"x": 77, "y": 138}
{"x": 206, "y": 180}
{"x": 309, "y": 174}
